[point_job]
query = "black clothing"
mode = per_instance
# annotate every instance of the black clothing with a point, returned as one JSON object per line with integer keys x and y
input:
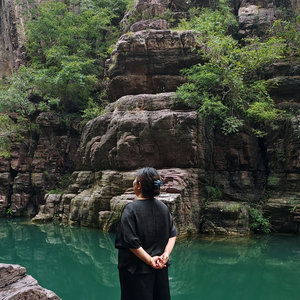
{"x": 144, "y": 223}
{"x": 147, "y": 286}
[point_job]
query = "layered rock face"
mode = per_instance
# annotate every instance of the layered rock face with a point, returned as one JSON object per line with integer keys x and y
{"x": 141, "y": 130}
{"x": 15, "y": 284}
{"x": 209, "y": 179}
{"x": 149, "y": 61}
{"x": 12, "y": 50}
{"x": 144, "y": 130}
{"x": 24, "y": 178}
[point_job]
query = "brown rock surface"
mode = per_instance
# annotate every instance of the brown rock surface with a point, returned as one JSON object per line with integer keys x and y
{"x": 225, "y": 218}
{"x": 13, "y": 37}
{"x": 15, "y": 284}
{"x": 130, "y": 136}
{"x": 25, "y": 177}
{"x": 143, "y": 9}
{"x": 149, "y": 24}
{"x": 149, "y": 61}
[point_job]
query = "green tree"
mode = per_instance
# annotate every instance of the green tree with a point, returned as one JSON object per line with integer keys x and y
{"x": 17, "y": 111}
{"x": 228, "y": 89}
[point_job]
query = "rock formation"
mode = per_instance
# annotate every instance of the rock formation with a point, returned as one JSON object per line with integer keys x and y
{"x": 25, "y": 179}
{"x": 149, "y": 62}
{"x": 12, "y": 31}
{"x": 15, "y": 284}
{"x": 209, "y": 179}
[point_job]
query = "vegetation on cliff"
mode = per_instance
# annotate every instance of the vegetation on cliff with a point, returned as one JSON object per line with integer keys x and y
{"x": 230, "y": 88}
{"x": 66, "y": 46}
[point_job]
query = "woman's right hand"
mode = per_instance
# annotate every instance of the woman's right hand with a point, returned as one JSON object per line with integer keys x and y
{"x": 157, "y": 263}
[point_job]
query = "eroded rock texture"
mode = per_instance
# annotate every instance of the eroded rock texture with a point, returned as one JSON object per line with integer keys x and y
{"x": 26, "y": 176}
{"x": 15, "y": 284}
{"x": 12, "y": 50}
{"x": 138, "y": 132}
{"x": 147, "y": 130}
{"x": 149, "y": 61}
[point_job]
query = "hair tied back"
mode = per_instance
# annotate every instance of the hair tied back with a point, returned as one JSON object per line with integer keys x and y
{"x": 157, "y": 184}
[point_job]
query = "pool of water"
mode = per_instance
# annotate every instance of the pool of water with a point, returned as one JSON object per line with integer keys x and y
{"x": 79, "y": 263}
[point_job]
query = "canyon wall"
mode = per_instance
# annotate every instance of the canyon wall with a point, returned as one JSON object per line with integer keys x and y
{"x": 210, "y": 180}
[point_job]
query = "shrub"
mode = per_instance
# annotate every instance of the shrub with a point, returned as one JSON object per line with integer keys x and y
{"x": 228, "y": 88}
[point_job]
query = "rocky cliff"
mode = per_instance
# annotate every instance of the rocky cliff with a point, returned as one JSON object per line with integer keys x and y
{"x": 210, "y": 180}
{"x": 12, "y": 31}
{"x": 25, "y": 178}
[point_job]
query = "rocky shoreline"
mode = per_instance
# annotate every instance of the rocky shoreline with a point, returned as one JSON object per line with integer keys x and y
{"x": 16, "y": 284}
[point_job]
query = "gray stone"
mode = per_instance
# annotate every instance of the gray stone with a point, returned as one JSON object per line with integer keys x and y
{"x": 149, "y": 24}
{"x": 149, "y": 62}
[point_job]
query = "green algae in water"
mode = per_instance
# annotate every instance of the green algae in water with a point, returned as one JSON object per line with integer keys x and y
{"x": 80, "y": 263}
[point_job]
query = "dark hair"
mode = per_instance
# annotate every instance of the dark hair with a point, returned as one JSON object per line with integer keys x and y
{"x": 150, "y": 181}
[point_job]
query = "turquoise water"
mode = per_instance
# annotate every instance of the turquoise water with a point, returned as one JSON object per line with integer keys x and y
{"x": 79, "y": 263}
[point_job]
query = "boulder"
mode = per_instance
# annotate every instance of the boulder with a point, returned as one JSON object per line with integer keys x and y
{"x": 143, "y": 9}
{"x": 130, "y": 137}
{"x": 284, "y": 213}
{"x": 85, "y": 207}
{"x": 15, "y": 284}
{"x": 285, "y": 89}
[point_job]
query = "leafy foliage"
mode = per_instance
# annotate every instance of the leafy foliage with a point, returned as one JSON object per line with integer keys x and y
{"x": 17, "y": 111}
{"x": 258, "y": 222}
{"x": 15, "y": 97}
{"x": 213, "y": 193}
{"x": 65, "y": 48}
{"x": 9, "y": 212}
{"x": 5, "y": 147}
{"x": 66, "y": 44}
{"x": 228, "y": 88}
{"x": 92, "y": 111}
{"x": 289, "y": 31}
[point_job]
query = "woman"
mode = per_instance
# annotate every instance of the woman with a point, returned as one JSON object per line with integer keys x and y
{"x": 145, "y": 238}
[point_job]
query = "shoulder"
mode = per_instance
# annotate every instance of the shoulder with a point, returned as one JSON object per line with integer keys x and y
{"x": 161, "y": 205}
{"x": 128, "y": 207}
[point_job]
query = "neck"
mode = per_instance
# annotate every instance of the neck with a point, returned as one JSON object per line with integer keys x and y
{"x": 141, "y": 197}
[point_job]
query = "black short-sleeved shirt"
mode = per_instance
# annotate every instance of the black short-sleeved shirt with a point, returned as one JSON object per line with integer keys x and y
{"x": 144, "y": 223}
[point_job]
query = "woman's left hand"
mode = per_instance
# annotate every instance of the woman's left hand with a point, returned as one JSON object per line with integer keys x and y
{"x": 164, "y": 258}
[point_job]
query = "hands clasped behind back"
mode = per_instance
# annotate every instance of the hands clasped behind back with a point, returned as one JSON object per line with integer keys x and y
{"x": 158, "y": 262}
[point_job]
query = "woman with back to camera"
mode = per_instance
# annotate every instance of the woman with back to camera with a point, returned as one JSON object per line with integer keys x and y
{"x": 145, "y": 238}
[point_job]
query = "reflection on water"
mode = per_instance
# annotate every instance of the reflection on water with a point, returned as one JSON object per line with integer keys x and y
{"x": 260, "y": 267}
{"x": 75, "y": 262}
{"x": 80, "y": 263}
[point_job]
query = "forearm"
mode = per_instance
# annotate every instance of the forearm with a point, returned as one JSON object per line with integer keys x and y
{"x": 142, "y": 254}
{"x": 170, "y": 245}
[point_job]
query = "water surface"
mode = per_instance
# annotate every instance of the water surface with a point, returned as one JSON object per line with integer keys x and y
{"x": 79, "y": 263}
